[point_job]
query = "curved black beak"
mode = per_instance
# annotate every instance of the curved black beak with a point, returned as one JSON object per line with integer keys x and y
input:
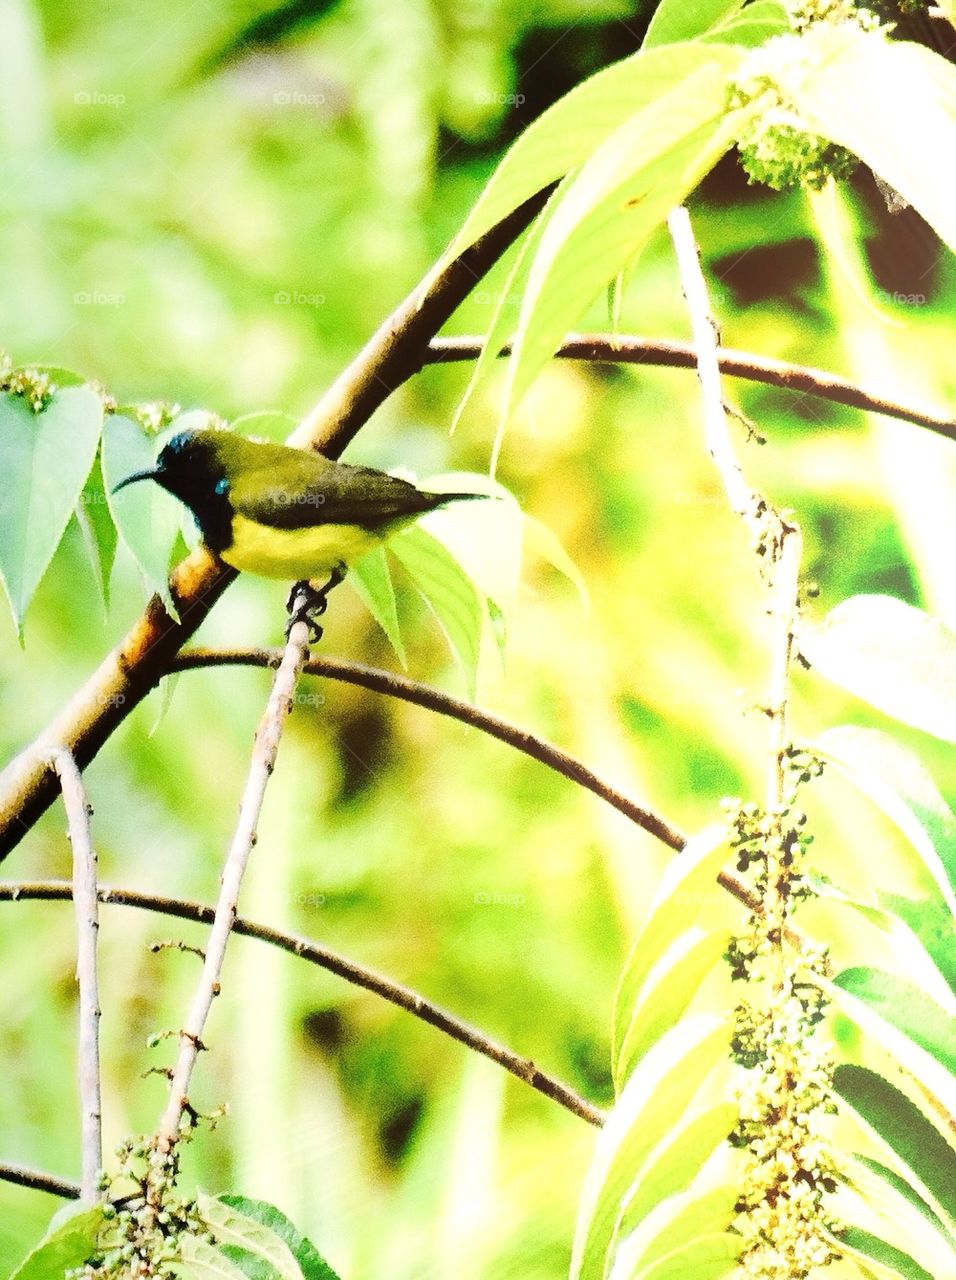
{"x": 152, "y": 474}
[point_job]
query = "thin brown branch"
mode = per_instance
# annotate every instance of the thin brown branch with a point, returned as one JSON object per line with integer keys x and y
{"x": 87, "y": 926}
{"x": 37, "y": 1180}
{"x": 423, "y": 695}
{"x": 264, "y": 752}
{"x": 394, "y": 354}
{"x": 358, "y": 975}
{"x": 602, "y": 348}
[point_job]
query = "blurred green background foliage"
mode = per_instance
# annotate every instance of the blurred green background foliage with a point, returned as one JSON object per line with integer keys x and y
{"x": 215, "y": 205}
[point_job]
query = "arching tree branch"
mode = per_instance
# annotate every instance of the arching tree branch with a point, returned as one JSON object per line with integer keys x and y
{"x": 603, "y": 348}
{"x": 394, "y": 354}
{"x": 37, "y": 1180}
{"x": 423, "y": 695}
{"x": 523, "y": 1068}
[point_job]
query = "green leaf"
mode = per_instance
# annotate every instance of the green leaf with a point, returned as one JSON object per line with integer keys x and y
{"x": 898, "y": 659}
{"x": 907, "y": 1007}
{"x": 651, "y": 1104}
{"x": 621, "y": 194}
{"x": 267, "y": 424}
{"x": 865, "y": 1244}
{"x": 708, "y": 1258}
{"x": 905, "y": 1129}
{"x": 573, "y": 128}
{"x": 448, "y": 592}
{"x": 753, "y": 26}
{"x": 668, "y": 990}
{"x": 543, "y": 542}
{"x": 71, "y": 1239}
{"x": 45, "y": 459}
{"x": 204, "y": 1261}
{"x": 676, "y": 1164}
{"x": 59, "y": 376}
{"x": 902, "y": 1188}
{"x": 919, "y": 934}
{"x": 688, "y": 883}
{"x": 884, "y": 1204}
{"x": 484, "y": 537}
{"x": 676, "y": 20}
{"x": 503, "y": 317}
{"x": 371, "y": 580}
{"x": 231, "y": 1226}
{"x": 311, "y": 1264}
{"x": 836, "y": 78}
{"x": 923, "y": 1064}
{"x": 146, "y": 516}
{"x": 98, "y": 530}
{"x": 932, "y": 923}
{"x": 896, "y": 780}
{"x": 679, "y": 1219}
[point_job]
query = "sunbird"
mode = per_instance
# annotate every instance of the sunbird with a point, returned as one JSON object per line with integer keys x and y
{"x": 286, "y": 513}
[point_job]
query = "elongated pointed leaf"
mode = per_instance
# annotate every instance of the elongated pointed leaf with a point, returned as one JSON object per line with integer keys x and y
{"x": 669, "y": 989}
{"x": 230, "y": 1226}
{"x": 204, "y": 1261}
{"x": 504, "y": 317}
{"x": 447, "y": 590}
{"x": 892, "y": 1261}
{"x": 753, "y": 26}
{"x": 932, "y": 923}
{"x": 542, "y": 541}
{"x": 675, "y": 1165}
{"x": 311, "y": 1264}
{"x": 485, "y": 536}
{"x": 371, "y": 580}
{"x": 837, "y": 81}
{"x": 896, "y": 780}
{"x": 897, "y": 1120}
{"x": 651, "y": 1104}
{"x": 902, "y": 1188}
{"x": 45, "y": 459}
{"x": 887, "y": 1206}
{"x": 676, "y": 20}
{"x": 708, "y": 1258}
{"x": 681, "y": 1218}
{"x": 898, "y": 659}
{"x": 689, "y": 882}
{"x": 907, "y": 1007}
{"x": 69, "y": 1242}
{"x": 923, "y": 1064}
{"x": 98, "y": 530}
{"x": 569, "y": 131}
{"x": 920, "y": 936}
{"x": 620, "y": 195}
{"x": 146, "y": 516}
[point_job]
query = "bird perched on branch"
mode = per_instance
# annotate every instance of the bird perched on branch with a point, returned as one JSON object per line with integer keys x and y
{"x": 286, "y": 513}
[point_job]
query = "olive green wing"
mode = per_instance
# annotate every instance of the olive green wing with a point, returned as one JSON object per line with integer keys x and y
{"x": 300, "y": 492}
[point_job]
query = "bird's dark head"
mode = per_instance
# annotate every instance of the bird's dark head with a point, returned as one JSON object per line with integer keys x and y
{"x": 194, "y": 466}
{"x": 191, "y": 465}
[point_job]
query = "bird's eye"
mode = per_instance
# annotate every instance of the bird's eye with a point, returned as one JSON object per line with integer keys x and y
{"x": 222, "y": 486}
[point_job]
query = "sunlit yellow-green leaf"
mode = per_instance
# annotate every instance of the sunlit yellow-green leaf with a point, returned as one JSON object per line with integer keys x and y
{"x": 837, "y": 78}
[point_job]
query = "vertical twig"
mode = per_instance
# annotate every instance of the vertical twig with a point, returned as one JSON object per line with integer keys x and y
{"x": 707, "y": 349}
{"x": 87, "y": 925}
{"x": 264, "y": 753}
{"x": 777, "y": 540}
{"x": 784, "y": 584}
